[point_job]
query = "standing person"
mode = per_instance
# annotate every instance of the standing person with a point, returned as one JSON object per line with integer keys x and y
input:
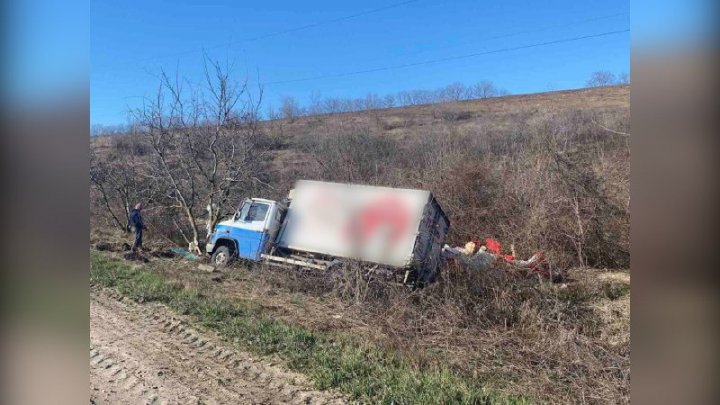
{"x": 136, "y": 224}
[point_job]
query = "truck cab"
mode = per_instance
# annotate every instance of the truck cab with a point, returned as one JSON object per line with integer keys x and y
{"x": 248, "y": 234}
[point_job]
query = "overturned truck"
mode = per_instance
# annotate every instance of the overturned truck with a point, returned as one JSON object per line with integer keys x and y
{"x": 321, "y": 224}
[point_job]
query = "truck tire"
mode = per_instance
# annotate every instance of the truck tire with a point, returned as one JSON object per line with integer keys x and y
{"x": 221, "y": 257}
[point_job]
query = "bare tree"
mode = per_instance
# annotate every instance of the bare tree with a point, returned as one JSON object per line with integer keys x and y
{"x": 485, "y": 89}
{"x": 100, "y": 179}
{"x": 389, "y": 101}
{"x": 119, "y": 184}
{"x": 290, "y": 108}
{"x": 316, "y": 105}
{"x": 372, "y": 101}
{"x": 623, "y": 78}
{"x": 601, "y": 78}
{"x": 203, "y": 143}
{"x": 455, "y": 92}
{"x": 404, "y": 98}
{"x": 331, "y": 106}
{"x": 271, "y": 113}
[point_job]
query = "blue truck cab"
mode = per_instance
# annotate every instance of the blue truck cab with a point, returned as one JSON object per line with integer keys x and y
{"x": 248, "y": 234}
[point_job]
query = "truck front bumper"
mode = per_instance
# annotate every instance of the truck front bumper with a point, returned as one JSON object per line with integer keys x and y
{"x": 209, "y": 247}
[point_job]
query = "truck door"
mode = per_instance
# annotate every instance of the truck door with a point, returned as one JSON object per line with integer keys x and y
{"x": 252, "y": 236}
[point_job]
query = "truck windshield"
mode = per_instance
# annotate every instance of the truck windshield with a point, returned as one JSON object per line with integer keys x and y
{"x": 255, "y": 212}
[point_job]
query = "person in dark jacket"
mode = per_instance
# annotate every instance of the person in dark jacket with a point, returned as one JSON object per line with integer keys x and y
{"x": 136, "y": 224}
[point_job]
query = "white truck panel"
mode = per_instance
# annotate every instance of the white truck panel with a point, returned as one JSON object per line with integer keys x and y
{"x": 374, "y": 224}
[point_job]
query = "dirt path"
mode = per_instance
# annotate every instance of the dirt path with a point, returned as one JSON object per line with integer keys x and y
{"x": 146, "y": 354}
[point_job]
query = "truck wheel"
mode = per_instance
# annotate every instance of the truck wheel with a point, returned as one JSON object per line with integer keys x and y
{"x": 221, "y": 257}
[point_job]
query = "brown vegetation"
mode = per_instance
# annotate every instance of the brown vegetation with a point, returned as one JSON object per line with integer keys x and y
{"x": 556, "y": 343}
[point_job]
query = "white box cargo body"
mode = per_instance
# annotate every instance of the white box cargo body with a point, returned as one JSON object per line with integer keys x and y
{"x": 388, "y": 226}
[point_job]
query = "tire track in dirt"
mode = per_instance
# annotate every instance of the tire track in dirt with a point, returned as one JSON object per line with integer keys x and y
{"x": 146, "y": 354}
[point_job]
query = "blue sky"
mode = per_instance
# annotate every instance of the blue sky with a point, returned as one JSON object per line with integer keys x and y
{"x": 131, "y": 40}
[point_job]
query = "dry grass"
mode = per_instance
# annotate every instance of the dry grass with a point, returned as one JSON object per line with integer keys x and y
{"x": 551, "y": 342}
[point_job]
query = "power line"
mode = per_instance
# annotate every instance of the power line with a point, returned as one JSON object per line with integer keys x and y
{"x": 285, "y": 31}
{"x": 431, "y": 61}
{"x": 548, "y": 27}
{"x": 516, "y": 33}
{"x": 332, "y": 21}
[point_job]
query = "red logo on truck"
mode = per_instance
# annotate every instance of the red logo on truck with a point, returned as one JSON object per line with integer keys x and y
{"x": 388, "y": 214}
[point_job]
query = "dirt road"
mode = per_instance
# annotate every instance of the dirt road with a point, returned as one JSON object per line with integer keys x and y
{"x": 146, "y": 354}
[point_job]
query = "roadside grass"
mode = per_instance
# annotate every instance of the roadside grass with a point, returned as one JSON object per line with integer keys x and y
{"x": 364, "y": 372}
